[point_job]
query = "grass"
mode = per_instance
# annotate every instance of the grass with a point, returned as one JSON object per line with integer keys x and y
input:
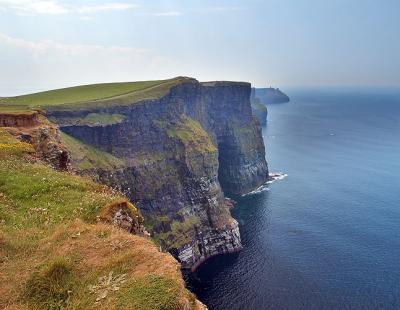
{"x": 10, "y": 146}
{"x": 79, "y": 93}
{"x": 15, "y": 109}
{"x": 50, "y": 286}
{"x": 93, "y": 96}
{"x": 87, "y": 157}
{"x": 95, "y": 119}
{"x": 145, "y": 294}
{"x": 69, "y": 268}
{"x": 39, "y": 197}
{"x": 55, "y": 254}
{"x": 103, "y": 118}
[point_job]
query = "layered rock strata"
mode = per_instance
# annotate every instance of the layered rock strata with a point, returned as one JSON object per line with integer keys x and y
{"x": 175, "y": 157}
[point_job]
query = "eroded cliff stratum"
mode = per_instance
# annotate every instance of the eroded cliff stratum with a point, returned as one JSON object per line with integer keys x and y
{"x": 175, "y": 147}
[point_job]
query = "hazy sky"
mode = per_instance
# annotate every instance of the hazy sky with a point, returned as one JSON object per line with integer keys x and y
{"x": 55, "y": 43}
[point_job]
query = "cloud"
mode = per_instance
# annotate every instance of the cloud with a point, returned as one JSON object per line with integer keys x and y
{"x": 86, "y": 17}
{"x": 225, "y": 8}
{"x": 72, "y": 49}
{"x": 170, "y": 13}
{"x": 56, "y": 7}
{"x": 106, "y": 7}
{"x": 34, "y": 65}
{"x": 201, "y": 10}
{"x": 33, "y": 6}
{"x": 218, "y": 9}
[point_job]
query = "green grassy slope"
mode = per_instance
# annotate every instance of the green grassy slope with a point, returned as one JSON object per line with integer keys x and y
{"x": 96, "y": 95}
{"x": 79, "y": 93}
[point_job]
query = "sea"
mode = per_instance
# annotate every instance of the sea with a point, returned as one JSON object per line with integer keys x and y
{"x": 326, "y": 236}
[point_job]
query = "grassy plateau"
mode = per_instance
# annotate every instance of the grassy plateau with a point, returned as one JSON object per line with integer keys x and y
{"x": 92, "y": 96}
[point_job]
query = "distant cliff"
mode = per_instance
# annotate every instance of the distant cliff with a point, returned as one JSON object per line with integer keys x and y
{"x": 175, "y": 148}
{"x": 270, "y": 95}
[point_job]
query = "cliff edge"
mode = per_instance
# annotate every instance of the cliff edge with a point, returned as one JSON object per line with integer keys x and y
{"x": 67, "y": 242}
{"x": 175, "y": 147}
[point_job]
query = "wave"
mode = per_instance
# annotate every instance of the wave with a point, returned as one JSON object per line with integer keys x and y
{"x": 258, "y": 190}
{"x": 274, "y": 176}
{"x": 264, "y": 187}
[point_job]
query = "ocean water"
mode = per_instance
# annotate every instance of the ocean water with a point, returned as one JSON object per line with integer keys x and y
{"x": 328, "y": 235}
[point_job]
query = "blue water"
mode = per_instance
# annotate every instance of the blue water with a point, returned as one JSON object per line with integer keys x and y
{"x": 328, "y": 235}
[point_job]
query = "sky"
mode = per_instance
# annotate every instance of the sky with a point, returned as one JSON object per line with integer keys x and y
{"x": 46, "y": 44}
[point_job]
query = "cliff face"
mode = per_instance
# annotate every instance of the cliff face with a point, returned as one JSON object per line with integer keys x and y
{"x": 176, "y": 156}
{"x": 242, "y": 165}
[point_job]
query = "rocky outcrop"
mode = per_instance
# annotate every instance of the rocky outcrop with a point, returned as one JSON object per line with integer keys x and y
{"x": 270, "y": 95}
{"x": 124, "y": 215}
{"x": 180, "y": 153}
{"x": 13, "y": 119}
{"x": 35, "y": 129}
{"x": 47, "y": 144}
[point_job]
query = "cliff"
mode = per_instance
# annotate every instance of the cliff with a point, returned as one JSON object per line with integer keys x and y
{"x": 174, "y": 147}
{"x": 270, "y": 95}
{"x": 67, "y": 242}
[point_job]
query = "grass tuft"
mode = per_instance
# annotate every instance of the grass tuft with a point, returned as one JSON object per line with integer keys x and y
{"x": 51, "y": 286}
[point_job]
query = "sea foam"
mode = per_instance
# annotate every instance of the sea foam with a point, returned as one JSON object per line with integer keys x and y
{"x": 272, "y": 177}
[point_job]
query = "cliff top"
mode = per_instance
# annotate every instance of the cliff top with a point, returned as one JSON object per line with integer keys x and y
{"x": 224, "y": 83}
{"x": 10, "y": 109}
{"x": 95, "y": 95}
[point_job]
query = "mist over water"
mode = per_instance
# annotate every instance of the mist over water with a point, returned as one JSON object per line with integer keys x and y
{"x": 328, "y": 235}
